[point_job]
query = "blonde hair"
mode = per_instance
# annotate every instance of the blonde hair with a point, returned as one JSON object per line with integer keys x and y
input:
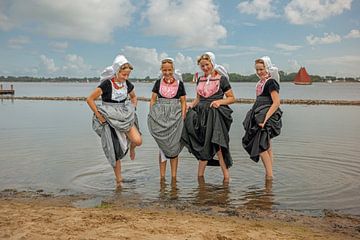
{"x": 203, "y": 57}
{"x": 126, "y": 66}
{"x": 167, "y": 61}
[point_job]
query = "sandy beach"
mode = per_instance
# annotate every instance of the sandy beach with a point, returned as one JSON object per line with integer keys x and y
{"x": 37, "y": 215}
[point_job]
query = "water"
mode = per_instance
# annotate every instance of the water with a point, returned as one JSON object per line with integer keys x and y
{"x": 324, "y": 91}
{"x": 50, "y": 145}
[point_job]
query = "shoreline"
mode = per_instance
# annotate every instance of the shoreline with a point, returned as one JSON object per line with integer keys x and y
{"x": 238, "y": 100}
{"x": 39, "y": 215}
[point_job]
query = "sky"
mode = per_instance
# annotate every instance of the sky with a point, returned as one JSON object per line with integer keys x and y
{"x": 79, "y": 38}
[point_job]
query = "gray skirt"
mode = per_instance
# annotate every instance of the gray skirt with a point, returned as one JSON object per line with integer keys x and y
{"x": 120, "y": 117}
{"x": 165, "y": 124}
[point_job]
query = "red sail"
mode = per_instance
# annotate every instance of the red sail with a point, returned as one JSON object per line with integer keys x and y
{"x": 302, "y": 77}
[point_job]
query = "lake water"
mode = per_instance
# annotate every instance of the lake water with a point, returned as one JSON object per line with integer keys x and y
{"x": 325, "y": 91}
{"x": 50, "y": 145}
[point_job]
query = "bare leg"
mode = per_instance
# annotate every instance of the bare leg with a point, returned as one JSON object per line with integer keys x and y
{"x": 117, "y": 171}
{"x": 201, "y": 168}
{"x": 224, "y": 169}
{"x": 162, "y": 168}
{"x": 265, "y": 157}
{"x": 271, "y": 153}
{"x": 174, "y": 164}
{"x": 135, "y": 139}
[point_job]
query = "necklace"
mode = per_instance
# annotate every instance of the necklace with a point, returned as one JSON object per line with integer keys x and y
{"x": 117, "y": 86}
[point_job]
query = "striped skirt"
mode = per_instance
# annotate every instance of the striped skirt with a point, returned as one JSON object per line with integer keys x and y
{"x": 165, "y": 124}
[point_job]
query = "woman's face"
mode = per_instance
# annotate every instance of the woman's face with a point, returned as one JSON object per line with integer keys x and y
{"x": 206, "y": 66}
{"x": 261, "y": 71}
{"x": 167, "y": 71}
{"x": 123, "y": 75}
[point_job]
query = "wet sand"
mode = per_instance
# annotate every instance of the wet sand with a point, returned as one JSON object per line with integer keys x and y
{"x": 38, "y": 215}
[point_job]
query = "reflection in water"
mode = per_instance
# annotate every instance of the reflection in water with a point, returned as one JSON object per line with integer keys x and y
{"x": 212, "y": 195}
{"x": 165, "y": 193}
{"x": 58, "y": 155}
{"x": 260, "y": 198}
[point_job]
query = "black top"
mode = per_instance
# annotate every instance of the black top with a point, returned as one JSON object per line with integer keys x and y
{"x": 270, "y": 85}
{"x": 181, "y": 90}
{"x": 224, "y": 87}
{"x": 106, "y": 87}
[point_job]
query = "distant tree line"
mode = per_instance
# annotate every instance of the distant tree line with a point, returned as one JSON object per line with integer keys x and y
{"x": 187, "y": 77}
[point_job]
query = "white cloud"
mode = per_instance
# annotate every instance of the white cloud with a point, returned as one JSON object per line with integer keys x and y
{"x": 47, "y": 64}
{"x": 349, "y": 65}
{"x": 287, "y": 47}
{"x": 311, "y": 11}
{"x": 75, "y": 66}
{"x": 192, "y": 23}
{"x": 92, "y": 21}
{"x": 293, "y": 65}
{"x": 355, "y": 33}
{"x": 327, "y": 39}
{"x": 59, "y": 46}
{"x": 18, "y": 42}
{"x": 262, "y": 8}
{"x": 146, "y": 61}
{"x": 5, "y": 23}
{"x": 71, "y": 66}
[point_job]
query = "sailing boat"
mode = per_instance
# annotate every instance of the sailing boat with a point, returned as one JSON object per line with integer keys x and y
{"x": 302, "y": 77}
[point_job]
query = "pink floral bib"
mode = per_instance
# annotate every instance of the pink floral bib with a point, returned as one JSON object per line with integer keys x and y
{"x": 168, "y": 90}
{"x": 207, "y": 88}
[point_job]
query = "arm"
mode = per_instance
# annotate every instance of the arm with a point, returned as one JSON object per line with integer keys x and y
{"x": 274, "y": 106}
{"x": 153, "y": 99}
{"x": 133, "y": 98}
{"x": 230, "y": 99}
{"x": 183, "y": 106}
{"x": 194, "y": 102}
{"x": 91, "y": 102}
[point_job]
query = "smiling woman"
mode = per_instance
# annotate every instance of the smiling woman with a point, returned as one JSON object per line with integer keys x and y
{"x": 115, "y": 120}
{"x": 166, "y": 115}
{"x": 208, "y": 120}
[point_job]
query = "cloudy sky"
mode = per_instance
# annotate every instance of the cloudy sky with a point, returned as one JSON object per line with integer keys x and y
{"x": 78, "y": 38}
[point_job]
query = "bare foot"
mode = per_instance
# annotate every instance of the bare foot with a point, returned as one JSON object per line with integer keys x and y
{"x": 132, "y": 153}
{"x": 226, "y": 180}
{"x": 118, "y": 182}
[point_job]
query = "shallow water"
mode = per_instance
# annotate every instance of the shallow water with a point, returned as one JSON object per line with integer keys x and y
{"x": 325, "y": 91}
{"x": 50, "y": 145}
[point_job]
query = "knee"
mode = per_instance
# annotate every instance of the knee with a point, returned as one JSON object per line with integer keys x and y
{"x": 137, "y": 141}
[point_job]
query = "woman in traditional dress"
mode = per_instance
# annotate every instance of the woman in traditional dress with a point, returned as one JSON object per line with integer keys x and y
{"x": 208, "y": 120}
{"x": 115, "y": 119}
{"x": 263, "y": 121}
{"x": 167, "y": 112}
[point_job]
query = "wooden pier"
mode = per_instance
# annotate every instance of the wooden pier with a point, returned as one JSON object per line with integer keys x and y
{"x": 10, "y": 91}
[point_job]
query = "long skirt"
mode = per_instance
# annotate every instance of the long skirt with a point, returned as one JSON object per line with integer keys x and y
{"x": 206, "y": 131}
{"x": 257, "y": 140}
{"x": 120, "y": 117}
{"x": 165, "y": 124}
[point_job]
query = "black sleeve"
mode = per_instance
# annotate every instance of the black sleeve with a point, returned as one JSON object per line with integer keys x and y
{"x": 156, "y": 87}
{"x": 105, "y": 86}
{"x": 181, "y": 91}
{"x": 130, "y": 86}
{"x": 273, "y": 85}
{"x": 224, "y": 84}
